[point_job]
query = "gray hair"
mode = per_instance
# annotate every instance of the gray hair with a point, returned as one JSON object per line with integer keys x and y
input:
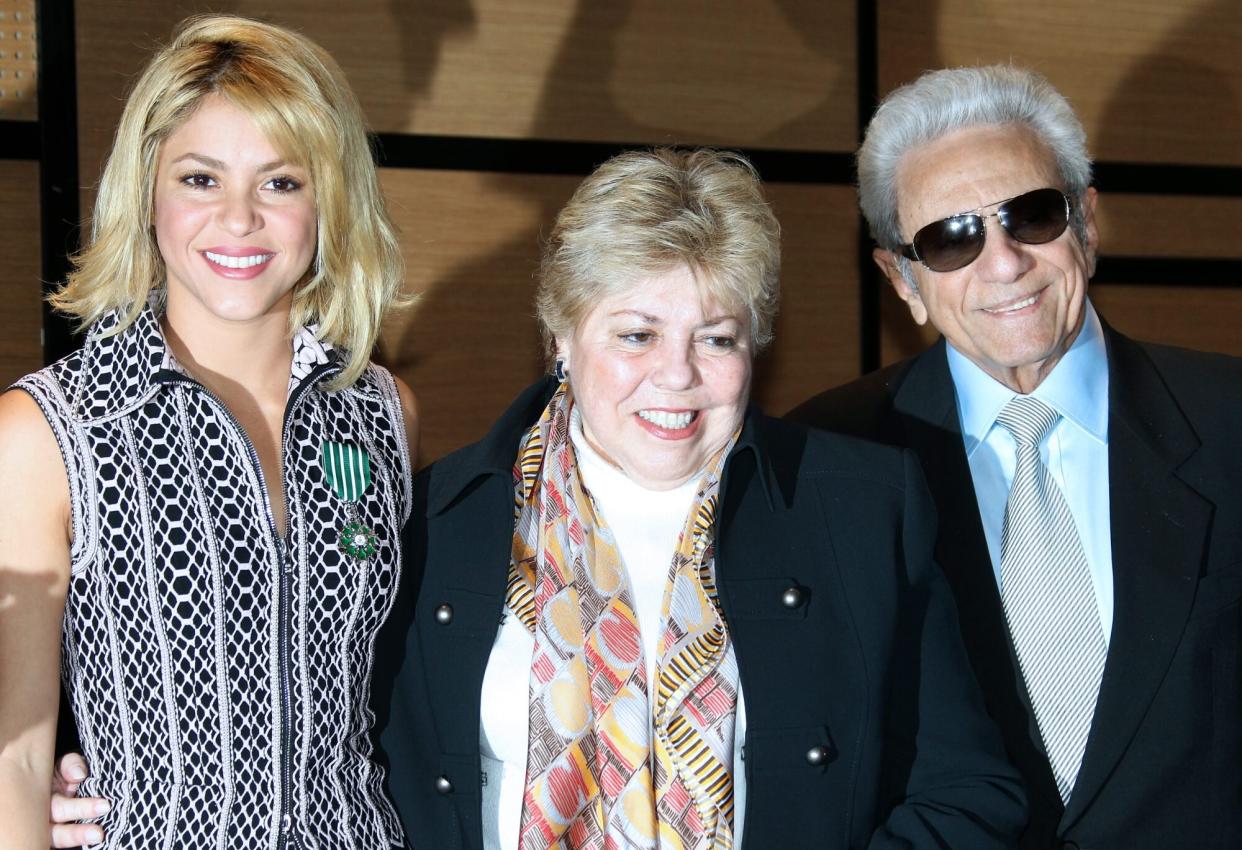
{"x": 941, "y": 102}
{"x": 646, "y": 212}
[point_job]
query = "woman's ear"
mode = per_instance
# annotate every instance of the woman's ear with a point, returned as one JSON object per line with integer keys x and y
{"x": 560, "y": 364}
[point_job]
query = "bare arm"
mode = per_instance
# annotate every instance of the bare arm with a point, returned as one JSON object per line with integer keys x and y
{"x": 34, "y": 580}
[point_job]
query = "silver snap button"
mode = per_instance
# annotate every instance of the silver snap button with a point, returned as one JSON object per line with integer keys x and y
{"x": 443, "y": 786}
{"x": 817, "y": 756}
{"x": 444, "y": 614}
{"x": 792, "y": 597}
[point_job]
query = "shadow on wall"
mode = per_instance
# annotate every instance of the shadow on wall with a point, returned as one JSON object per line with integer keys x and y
{"x": 1144, "y": 115}
{"x": 1198, "y": 120}
{"x": 900, "y": 336}
{"x": 464, "y": 378}
{"x": 424, "y": 27}
{"x": 486, "y": 300}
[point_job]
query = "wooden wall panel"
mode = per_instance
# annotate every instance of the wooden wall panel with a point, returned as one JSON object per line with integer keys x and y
{"x": 471, "y": 244}
{"x": 817, "y": 330}
{"x": 774, "y": 73}
{"x": 771, "y": 73}
{"x": 1193, "y": 317}
{"x": 1153, "y": 81}
{"x": 21, "y": 347}
{"x": 18, "y": 61}
{"x": 1170, "y": 226}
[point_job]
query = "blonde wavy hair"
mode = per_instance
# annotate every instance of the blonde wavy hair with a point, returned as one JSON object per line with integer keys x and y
{"x": 646, "y": 212}
{"x": 298, "y": 97}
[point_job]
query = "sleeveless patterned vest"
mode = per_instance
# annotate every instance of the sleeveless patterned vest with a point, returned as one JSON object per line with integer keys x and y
{"x": 220, "y": 675}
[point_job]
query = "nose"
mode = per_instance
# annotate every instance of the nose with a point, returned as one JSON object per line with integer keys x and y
{"x": 676, "y": 369}
{"x": 1004, "y": 259}
{"x": 239, "y": 213}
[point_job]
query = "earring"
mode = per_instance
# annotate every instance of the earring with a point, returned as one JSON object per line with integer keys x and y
{"x": 560, "y": 371}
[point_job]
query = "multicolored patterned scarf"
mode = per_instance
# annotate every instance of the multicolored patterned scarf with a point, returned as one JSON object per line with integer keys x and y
{"x": 595, "y": 778}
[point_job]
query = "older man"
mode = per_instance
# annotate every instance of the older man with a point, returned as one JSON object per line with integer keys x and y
{"x": 1089, "y": 486}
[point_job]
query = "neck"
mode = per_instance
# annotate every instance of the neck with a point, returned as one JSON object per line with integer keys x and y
{"x": 1025, "y": 379}
{"x": 255, "y": 355}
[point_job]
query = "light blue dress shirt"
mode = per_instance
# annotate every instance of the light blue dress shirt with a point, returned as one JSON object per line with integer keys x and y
{"x": 1075, "y": 452}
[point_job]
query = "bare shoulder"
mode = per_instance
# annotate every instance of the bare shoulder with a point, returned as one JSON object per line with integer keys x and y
{"x": 409, "y": 412}
{"x": 34, "y": 487}
{"x": 24, "y": 432}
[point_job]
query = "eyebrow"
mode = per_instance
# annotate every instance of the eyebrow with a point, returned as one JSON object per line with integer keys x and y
{"x": 647, "y": 317}
{"x": 211, "y": 162}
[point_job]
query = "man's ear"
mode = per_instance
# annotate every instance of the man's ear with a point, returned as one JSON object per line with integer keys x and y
{"x": 1087, "y": 211}
{"x": 888, "y": 263}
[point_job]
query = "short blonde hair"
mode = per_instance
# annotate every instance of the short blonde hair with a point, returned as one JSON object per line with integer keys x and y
{"x": 646, "y": 212}
{"x": 297, "y": 95}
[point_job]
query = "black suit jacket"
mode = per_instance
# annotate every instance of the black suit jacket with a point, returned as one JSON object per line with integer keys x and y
{"x": 869, "y": 665}
{"x": 1163, "y": 763}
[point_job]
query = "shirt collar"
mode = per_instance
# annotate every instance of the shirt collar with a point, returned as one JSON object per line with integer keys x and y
{"x": 1077, "y": 387}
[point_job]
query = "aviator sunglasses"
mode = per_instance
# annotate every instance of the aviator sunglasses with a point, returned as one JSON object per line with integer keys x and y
{"x": 1031, "y": 218}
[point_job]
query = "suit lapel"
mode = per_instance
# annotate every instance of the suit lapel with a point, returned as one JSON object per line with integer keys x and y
{"x": 926, "y": 405}
{"x": 1159, "y": 530}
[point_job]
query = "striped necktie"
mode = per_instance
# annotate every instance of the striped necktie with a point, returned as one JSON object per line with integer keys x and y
{"x": 1048, "y": 597}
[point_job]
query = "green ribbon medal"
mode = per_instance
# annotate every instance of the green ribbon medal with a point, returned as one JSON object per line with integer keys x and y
{"x": 347, "y": 469}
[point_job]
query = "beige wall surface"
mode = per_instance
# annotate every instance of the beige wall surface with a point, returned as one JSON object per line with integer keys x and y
{"x": 21, "y": 318}
{"x": 1154, "y": 83}
{"x": 757, "y": 73}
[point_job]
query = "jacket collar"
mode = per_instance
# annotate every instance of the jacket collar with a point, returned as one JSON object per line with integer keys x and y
{"x": 122, "y": 370}
{"x": 776, "y": 473}
{"x": 497, "y": 452}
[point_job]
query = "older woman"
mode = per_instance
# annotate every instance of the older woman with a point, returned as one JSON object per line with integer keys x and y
{"x": 641, "y": 614}
{"x": 202, "y": 505}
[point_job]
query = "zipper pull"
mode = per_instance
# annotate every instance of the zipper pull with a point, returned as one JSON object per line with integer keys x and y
{"x": 286, "y": 560}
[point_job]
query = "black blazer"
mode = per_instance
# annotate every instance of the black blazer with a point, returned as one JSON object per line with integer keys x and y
{"x": 1163, "y": 763}
{"x": 868, "y": 665}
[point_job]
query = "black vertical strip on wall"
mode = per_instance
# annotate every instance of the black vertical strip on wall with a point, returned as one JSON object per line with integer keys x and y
{"x": 58, "y": 210}
{"x": 868, "y": 58}
{"x": 58, "y": 163}
{"x": 19, "y": 140}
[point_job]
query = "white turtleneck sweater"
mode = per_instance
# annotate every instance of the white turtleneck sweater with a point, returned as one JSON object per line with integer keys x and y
{"x": 645, "y": 524}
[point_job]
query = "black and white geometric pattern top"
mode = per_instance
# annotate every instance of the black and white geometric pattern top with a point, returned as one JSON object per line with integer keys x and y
{"x": 219, "y": 675}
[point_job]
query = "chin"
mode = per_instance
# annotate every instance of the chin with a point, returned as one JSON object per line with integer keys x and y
{"x": 233, "y": 309}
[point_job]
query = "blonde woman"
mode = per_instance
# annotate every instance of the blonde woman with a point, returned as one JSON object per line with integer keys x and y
{"x": 199, "y": 511}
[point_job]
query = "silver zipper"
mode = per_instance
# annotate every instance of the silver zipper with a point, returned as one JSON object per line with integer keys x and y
{"x": 288, "y": 834}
